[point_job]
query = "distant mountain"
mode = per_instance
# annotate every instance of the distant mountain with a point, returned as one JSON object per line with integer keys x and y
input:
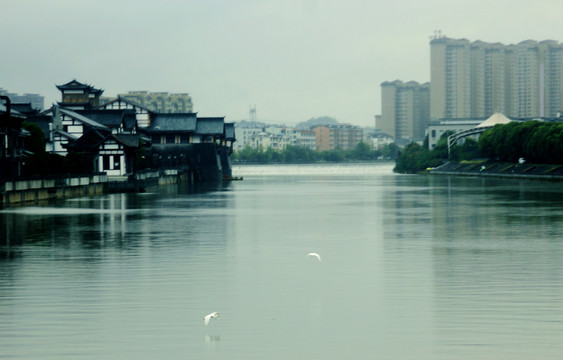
{"x": 311, "y": 123}
{"x": 250, "y": 124}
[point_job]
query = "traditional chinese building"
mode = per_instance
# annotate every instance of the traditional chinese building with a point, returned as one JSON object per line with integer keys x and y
{"x": 78, "y": 96}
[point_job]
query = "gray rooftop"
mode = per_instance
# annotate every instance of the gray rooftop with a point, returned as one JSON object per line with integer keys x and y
{"x": 82, "y": 118}
{"x": 109, "y": 118}
{"x": 210, "y": 126}
{"x": 230, "y": 131}
{"x": 183, "y": 122}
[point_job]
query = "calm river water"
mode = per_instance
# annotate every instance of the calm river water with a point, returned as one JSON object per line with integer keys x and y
{"x": 413, "y": 267}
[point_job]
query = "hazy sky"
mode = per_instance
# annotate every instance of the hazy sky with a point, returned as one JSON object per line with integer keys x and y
{"x": 293, "y": 59}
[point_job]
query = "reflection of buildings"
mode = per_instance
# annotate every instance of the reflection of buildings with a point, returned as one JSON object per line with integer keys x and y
{"x": 493, "y": 245}
{"x": 162, "y": 102}
{"x": 113, "y": 221}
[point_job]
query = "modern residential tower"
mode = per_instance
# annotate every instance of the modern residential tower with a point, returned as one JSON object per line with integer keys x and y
{"x": 477, "y": 79}
{"x": 161, "y": 101}
{"x": 405, "y": 109}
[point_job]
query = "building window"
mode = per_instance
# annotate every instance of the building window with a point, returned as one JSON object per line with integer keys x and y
{"x": 116, "y": 162}
{"x": 106, "y": 159}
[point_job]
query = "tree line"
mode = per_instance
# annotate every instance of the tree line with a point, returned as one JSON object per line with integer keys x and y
{"x": 536, "y": 141}
{"x": 299, "y": 155}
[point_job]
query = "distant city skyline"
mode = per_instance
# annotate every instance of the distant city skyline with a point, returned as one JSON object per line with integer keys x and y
{"x": 294, "y": 60}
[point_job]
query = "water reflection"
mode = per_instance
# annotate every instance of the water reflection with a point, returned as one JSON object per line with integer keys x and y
{"x": 118, "y": 220}
{"x": 487, "y": 256}
{"x": 485, "y": 239}
{"x": 212, "y": 338}
{"x": 413, "y": 267}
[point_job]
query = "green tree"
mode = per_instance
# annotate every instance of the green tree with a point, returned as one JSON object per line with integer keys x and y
{"x": 363, "y": 151}
{"x": 467, "y": 151}
{"x": 36, "y": 141}
{"x": 415, "y": 157}
{"x": 485, "y": 144}
{"x": 390, "y": 151}
{"x": 539, "y": 142}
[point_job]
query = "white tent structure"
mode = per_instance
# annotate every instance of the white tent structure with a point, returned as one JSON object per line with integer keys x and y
{"x": 495, "y": 119}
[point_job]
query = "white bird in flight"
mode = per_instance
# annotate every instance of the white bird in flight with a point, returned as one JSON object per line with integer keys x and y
{"x": 315, "y": 255}
{"x": 207, "y": 318}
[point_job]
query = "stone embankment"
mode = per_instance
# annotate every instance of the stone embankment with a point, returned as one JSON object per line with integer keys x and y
{"x": 501, "y": 169}
{"x": 34, "y": 191}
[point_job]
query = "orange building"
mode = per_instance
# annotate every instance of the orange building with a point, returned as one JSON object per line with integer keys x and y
{"x": 322, "y": 138}
{"x": 331, "y": 137}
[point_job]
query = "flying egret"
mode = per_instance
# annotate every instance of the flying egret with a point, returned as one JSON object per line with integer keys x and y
{"x": 314, "y": 255}
{"x": 207, "y": 318}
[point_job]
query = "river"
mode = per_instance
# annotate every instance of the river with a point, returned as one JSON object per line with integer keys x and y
{"x": 413, "y": 267}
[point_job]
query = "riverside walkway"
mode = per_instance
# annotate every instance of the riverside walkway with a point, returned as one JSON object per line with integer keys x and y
{"x": 501, "y": 169}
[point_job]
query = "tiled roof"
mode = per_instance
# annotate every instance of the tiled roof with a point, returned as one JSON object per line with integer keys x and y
{"x": 183, "y": 122}
{"x": 78, "y": 85}
{"x": 90, "y": 140}
{"x": 83, "y": 119}
{"x": 24, "y": 108}
{"x": 128, "y": 140}
{"x": 230, "y": 131}
{"x": 13, "y": 112}
{"x": 210, "y": 126}
{"x": 65, "y": 134}
{"x": 109, "y": 118}
{"x": 121, "y": 99}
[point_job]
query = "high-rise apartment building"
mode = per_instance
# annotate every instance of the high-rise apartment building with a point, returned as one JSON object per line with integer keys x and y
{"x": 405, "y": 109}
{"x": 37, "y": 101}
{"x": 477, "y": 79}
{"x": 162, "y": 102}
{"x": 450, "y": 78}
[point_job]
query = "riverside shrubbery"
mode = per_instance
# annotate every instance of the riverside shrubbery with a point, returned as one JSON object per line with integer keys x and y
{"x": 536, "y": 141}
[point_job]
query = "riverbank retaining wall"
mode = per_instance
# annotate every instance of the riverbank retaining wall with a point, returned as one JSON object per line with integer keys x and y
{"x": 33, "y": 191}
{"x": 20, "y": 192}
{"x": 501, "y": 169}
